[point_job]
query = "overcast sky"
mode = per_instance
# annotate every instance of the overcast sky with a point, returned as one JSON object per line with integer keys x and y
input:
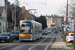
{"x": 1, "y": 2}
{"x": 53, "y": 6}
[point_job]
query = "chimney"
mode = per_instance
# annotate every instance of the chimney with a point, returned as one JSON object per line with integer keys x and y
{"x": 23, "y": 7}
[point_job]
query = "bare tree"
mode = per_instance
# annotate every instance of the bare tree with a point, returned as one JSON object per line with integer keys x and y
{"x": 71, "y": 8}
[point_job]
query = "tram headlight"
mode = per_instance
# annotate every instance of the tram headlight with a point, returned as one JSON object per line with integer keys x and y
{"x": 30, "y": 35}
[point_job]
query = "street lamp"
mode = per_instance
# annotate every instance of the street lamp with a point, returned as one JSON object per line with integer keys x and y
{"x": 67, "y": 13}
{"x": 34, "y": 11}
{"x": 16, "y": 4}
{"x": 66, "y": 16}
{"x": 6, "y": 15}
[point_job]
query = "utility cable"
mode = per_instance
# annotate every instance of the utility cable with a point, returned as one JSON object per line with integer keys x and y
{"x": 26, "y": 3}
{"x": 45, "y": 5}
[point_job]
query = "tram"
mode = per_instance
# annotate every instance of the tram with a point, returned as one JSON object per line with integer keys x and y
{"x": 30, "y": 30}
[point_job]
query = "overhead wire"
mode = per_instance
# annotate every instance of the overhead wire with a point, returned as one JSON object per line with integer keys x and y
{"x": 38, "y": 3}
{"x": 45, "y": 5}
{"x": 26, "y": 3}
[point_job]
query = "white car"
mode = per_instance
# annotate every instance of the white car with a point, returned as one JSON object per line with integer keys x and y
{"x": 69, "y": 37}
{"x": 49, "y": 31}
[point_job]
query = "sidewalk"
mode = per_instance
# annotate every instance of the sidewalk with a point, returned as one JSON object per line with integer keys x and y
{"x": 60, "y": 44}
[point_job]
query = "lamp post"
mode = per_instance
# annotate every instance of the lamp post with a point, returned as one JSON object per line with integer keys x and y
{"x": 16, "y": 4}
{"x": 15, "y": 19}
{"x": 34, "y": 11}
{"x": 67, "y": 13}
{"x": 6, "y": 15}
{"x": 66, "y": 16}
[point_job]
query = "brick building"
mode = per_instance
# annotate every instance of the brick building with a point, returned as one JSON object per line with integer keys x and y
{"x": 24, "y": 15}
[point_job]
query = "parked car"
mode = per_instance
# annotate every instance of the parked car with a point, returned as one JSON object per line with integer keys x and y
{"x": 11, "y": 30}
{"x": 5, "y": 37}
{"x": 55, "y": 31}
{"x": 44, "y": 32}
{"x": 49, "y": 31}
{"x": 59, "y": 29}
{"x": 69, "y": 37}
{"x": 15, "y": 35}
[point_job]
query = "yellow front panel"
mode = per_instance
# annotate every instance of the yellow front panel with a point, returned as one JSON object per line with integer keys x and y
{"x": 69, "y": 31}
{"x": 25, "y": 35}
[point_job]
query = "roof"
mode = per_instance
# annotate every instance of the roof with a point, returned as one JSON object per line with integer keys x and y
{"x": 1, "y": 9}
{"x": 55, "y": 16}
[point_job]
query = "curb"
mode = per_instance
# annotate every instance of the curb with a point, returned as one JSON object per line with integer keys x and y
{"x": 60, "y": 47}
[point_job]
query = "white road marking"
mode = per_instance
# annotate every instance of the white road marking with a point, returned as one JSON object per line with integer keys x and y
{"x": 5, "y": 46}
{"x": 1, "y": 44}
{"x": 16, "y": 48}
{"x": 49, "y": 43}
{"x": 37, "y": 44}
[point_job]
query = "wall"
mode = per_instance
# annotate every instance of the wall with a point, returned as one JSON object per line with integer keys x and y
{"x": 54, "y": 19}
{"x": 72, "y": 24}
{"x": 3, "y": 20}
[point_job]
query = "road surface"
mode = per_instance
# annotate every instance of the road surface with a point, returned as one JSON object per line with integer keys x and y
{"x": 41, "y": 44}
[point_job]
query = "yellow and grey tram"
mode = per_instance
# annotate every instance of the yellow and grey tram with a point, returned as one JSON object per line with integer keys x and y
{"x": 30, "y": 30}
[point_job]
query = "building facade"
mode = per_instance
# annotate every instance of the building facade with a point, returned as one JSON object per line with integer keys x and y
{"x": 3, "y": 20}
{"x": 55, "y": 21}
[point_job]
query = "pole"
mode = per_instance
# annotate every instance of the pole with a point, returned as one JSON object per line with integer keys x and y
{"x": 12, "y": 17}
{"x": 34, "y": 11}
{"x": 74, "y": 26}
{"x": 15, "y": 19}
{"x": 67, "y": 13}
{"x": 6, "y": 15}
{"x": 34, "y": 15}
{"x": 16, "y": 4}
{"x": 66, "y": 16}
{"x": 1, "y": 27}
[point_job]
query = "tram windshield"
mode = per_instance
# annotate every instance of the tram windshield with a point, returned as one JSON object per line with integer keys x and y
{"x": 25, "y": 28}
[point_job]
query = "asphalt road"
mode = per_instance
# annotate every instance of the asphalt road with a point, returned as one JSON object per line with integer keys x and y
{"x": 41, "y": 44}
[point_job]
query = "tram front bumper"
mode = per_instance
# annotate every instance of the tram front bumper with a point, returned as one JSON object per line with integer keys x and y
{"x": 23, "y": 38}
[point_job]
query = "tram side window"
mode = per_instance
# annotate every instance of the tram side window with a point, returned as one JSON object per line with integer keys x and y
{"x": 35, "y": 29}
{"x": 38, "y": 30}
{"x": 32, "y": 28}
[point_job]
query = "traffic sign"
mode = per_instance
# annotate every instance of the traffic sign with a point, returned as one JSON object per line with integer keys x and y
{"x": 3, "y": 27}
{"x": 69, "y": 31}
{"x": 1, "y": 18}
{"x": 0, "y": 23}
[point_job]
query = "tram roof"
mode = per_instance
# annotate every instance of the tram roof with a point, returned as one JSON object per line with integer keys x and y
{"x": 31, "y": 21}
